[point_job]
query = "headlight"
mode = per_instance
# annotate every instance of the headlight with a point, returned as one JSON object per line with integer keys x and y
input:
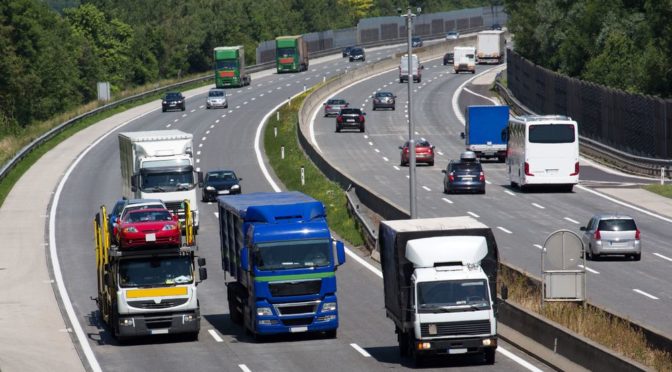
{"x": 328, "y": 306}
{"x": 130, "y": 229}
{"x": 164, "y": 102}
{"x": 264, "y": 311}
{"x": 169, "y": 227}
{"x": 210, "y": 188}
{"x": 235, "y": 187}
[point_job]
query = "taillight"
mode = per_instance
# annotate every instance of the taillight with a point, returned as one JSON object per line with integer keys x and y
{"x": 637, "y": 234}
{"x": 361, "y": 118}
{"x": 451, "y": 177}
{"x": 481, "y": 177}
{"x": 576, "y": 169}
{"x": 597, "y": 235}
{"x": 339, "y": 119}
{"x": 527, "y": 169}
{"x": 328, "y": 107}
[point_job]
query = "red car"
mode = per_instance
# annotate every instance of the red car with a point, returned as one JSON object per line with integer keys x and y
{"x": 152, "y": 226}
{"x": 424, "y": 153}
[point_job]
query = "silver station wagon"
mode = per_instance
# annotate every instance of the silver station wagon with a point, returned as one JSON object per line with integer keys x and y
{"x": 611, "y": 234}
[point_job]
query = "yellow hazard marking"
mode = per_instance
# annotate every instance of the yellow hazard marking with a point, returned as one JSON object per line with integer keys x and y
{"x": 156, "y": 292}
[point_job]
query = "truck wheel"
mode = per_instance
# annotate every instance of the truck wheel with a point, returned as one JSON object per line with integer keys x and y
{"x": 418, "y": 362}
{"x": 489, "y": 356}
{"x": 331, "y": 333}
{"x": 361, "y": 129}
{"x": 403, "y": 344}
{"x": 338, "y": 129}
{"x": 231, "y": 294}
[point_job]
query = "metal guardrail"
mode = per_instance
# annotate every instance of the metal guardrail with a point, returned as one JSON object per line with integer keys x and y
{"x": 637, "y": 165}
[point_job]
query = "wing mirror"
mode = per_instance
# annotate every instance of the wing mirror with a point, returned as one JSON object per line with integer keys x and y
{"x": 202, "y": 273}
{"x": 582, "y": 228}
{"x": 462, "y": 135}
{"x": 340, "y": 252}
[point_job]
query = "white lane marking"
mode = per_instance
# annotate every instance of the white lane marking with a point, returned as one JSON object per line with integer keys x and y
{"x": 168, "y": 126}
{"x": 207, "y": 132}
{"x": 458, "y": 91}
{"x": 176, "y": 120}
{"x": 216, "y": 122}
{"x": 245, "y": 103}
{"x": 440, "y": 153}
{"x": 538, "y": 246}
{"x": 426, "y": 188}
{"x": 663, "y": 257}
{"x": 473, "y": 214}
{"x": 366, "y": 136}
{"x": 216, "y": 214}
{"x": 625, "y": 204}
{"x": 539, "y": 206}
{"x": 386, "y": 159}
{"x": 204, "y": 138}
{"x": 488, "y": 182}
{"x": 200, "y": 145}
{"x": 198, "y": 160}
{"x": 509, "y": 192}
{"x": 230, "y": 111}
{"x": 376, "y": 150}
{"x": 397, "y": 168}
{"x": 480, "y": 95}
{"x": 244, "y": 368}
{"x": 184, "y": 115}
{"x": 201, "y": 106}
{"x": 214, "y": 335}
{"x": 238, "y": 106}
{"x": 363, "y": 262}
{"x": 253, "y": 99}
{"x": 571, "y": 220}
{"x": 223, "y": 115}
{"x": 447, "y": 200}
{"x": 261, "y": 95}
{"x": 505, "y": 230}
{"x": 517, "y": 359}
{"x": 589, "y": 269}
{"x": 646, "y": 294}
{"x": 194, "y": 110}
{"x": 360, "y": 350}
{"x": 370, "y": 143}
{"x": 198, "y": 169}
{"x": 198, "y": 152}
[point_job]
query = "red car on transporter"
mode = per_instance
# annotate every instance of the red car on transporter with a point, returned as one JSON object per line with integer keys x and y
{"x": 152, "y": 226}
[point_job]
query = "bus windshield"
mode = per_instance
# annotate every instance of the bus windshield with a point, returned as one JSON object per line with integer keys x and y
{"x": 553, "y": 133}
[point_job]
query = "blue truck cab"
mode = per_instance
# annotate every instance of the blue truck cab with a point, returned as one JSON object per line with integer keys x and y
{"x": 282, "y": 260}
{"x": 486, "y": 131}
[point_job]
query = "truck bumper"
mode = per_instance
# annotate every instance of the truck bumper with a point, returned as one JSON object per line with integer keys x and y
{"x": 455, "y": 346}
{"x": 156, "y": 324}
{"x": 321, "y": 323}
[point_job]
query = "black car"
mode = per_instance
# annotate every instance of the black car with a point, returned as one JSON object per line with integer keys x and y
{"x": 351, "y": 118}
{"x": 346, "y": 51}
{"x": 173, "y": 101}
{"x": 416, "y": 41}
{"x": 220, "y": 182}
{"x": 357, "y": 54}
{"x": 383, "y": 100}
{"x": 465, "y": 174}
{"x": 448, "y": 59}
{"x": 496, "y": 26}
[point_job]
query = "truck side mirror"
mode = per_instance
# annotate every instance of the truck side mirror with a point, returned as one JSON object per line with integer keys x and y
{"x": 462, "y": 135}
{"x": 201, "y": 261}
{"x": 200, "y": 178}
{"x": 504, "y": 292}
{"x": 340, "y": 252}
{"x": 244, "y": 259}
{"x": 203, "y": 273}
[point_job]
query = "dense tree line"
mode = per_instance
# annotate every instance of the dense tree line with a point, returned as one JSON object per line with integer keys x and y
{"x": 52, "y": 52}
{"x": 624, "y": 44}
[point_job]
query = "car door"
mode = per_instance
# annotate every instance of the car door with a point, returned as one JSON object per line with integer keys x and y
{"x": 588, "y": 233}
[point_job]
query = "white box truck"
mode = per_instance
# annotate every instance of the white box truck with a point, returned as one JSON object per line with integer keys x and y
{"x": 416, "y": 68}
{"x": 159, "y": 165}
{"x": 490, "y": 47}
{"x": 439, "y": 278}
{"x": 464, "y": 59}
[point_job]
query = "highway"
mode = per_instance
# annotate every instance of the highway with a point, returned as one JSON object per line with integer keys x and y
{"x": 225, "y": 139}
{"x": 639, "y": 291}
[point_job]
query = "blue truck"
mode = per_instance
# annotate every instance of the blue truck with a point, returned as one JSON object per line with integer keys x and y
{"x": 282, "y": 260}
{"x": 486, "y": 131}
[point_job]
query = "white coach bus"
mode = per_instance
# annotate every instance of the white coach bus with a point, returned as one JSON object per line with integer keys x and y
{"x": 543, "y": 150}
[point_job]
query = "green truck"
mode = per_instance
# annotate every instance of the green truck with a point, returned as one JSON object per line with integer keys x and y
{"x": 291, "y": 54}
{"x": 230, "y": 67}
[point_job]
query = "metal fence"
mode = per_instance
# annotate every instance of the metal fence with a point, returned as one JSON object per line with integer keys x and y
{"x": 632, "y": 123}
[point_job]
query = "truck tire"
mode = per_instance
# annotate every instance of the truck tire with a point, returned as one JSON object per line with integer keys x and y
{"x": 361, "y": 128}
{"x": 489, "y": 355}
{"x": 232, "y": 293}
{"x": 331, "y": 333}
{"x": 403, "y": 344}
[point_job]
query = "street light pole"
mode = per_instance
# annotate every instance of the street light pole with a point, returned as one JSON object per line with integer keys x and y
{"x": 411, "y": 129}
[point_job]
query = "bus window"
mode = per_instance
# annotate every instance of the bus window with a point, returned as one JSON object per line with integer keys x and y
{"x": 557, "y": 133}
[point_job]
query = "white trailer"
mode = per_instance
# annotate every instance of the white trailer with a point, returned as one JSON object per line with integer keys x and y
{"x": 464, "y": 59}
{"x": 490, "y": 46}
{"x": 159, "y": 165}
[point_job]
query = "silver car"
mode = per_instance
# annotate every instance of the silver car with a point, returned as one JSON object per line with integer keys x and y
{"x": 611, "y": 234}
{"x": 216, "y": 98}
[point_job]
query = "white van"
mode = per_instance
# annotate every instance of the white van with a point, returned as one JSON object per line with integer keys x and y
{"x": 416, "y": 68}
{"x": 464, "y": 59}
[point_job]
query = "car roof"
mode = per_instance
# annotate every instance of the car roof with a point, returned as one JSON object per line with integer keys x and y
{"x": 148, "y": 210}
{"x": 220, "y": 171}
{"x": 138, "y": 201}
{"x": 384, "y": 93}
{"x": 144, "y": 203}
{"x": 337, "y": 101}
{"x": 612, "y": 216}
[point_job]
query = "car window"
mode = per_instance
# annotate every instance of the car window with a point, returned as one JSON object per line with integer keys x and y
{"x": 422, "y": 144}
{"x": 216, "y": 93}
{"x": 557, "y": 133}
{"x": 148, "y": 216}
{"x": 226, "y": 176}
{"x": 467, "y": 167}
{"x": 384, "y": 94}
{"x": 620, "y": 224}
{"x": 350, "y": 111}
{"x": 336, "y": 102}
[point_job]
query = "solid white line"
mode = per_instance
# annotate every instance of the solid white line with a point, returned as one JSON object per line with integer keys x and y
{"x": 505, "y": 230}
{"x": 663, "y": 257}
{"x": 473, "y": 214}
{"x": 447, "y": 200}
{"x": 360, "y": 350}
{"x": 589, "y": 269}
{"x": 458, "y": 91}
{"x": 646, "y": 294}
{"x": 244, "y": 368}
{"x": 518, "y": 359}
{"x": 426, "y": 188}
{"x": 539, "y": 206}
{"x": 571, "y": 220}
{"x": 214, "y": 335}
{"x": 509, "y": 192}
{"x": 482, "y": 96}
{"x": 363, "y": 262}
{"x": 625, "y": 204}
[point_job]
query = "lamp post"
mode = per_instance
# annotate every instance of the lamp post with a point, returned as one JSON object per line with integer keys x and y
{"x": 411, "y": 129}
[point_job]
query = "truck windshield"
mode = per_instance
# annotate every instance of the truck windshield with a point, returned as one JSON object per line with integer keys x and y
{"x": 226, "y": 64}
{"x": 285, "y": 52}
{"x": 167, "y": 181}
{"x": 294, "y": 254}
{"x": 155, "y": 271}
{"x": 441, "y": 295}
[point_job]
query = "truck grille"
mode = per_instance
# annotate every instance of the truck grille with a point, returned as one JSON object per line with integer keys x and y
{"x": 302, "y": 288}
{"x": 298, "y": 308}
{"x": 297, "y": 322}
{"x": 164, "y": 304}
{"x": 473, "y": 327}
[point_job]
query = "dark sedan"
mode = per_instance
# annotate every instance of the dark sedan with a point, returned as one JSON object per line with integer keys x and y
{"x": 416, "y": 41}
{"x": 448, "y": 59}
{"x": 357, "y": 54}
{"x": 346, "y": 51}
{"x": 351, "y": 118}
{"x": 173, "y": 101}
{"x": 220, "y": 182}
{"x": 383, "y": 100}
{"x": 465, "y": 174}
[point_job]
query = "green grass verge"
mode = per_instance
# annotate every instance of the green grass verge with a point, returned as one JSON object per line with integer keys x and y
{"x": 316, "y": 184}
{"x": 15, "y": 174}
{"x": 663, "y": 190}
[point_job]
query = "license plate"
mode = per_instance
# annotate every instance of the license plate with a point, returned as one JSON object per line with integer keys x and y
{"x": 172, "y": 103}
{"x": 223, "y": 192}
{"x": 150, "y": 237}
{"x": 298, "y": 329}
{"x": 551, "y": 171}
{"x": 350, "y": 120}
{"x": 159, "y": 331}
{"x": 457, "y": 351}
{"x": 467, "y": 178}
